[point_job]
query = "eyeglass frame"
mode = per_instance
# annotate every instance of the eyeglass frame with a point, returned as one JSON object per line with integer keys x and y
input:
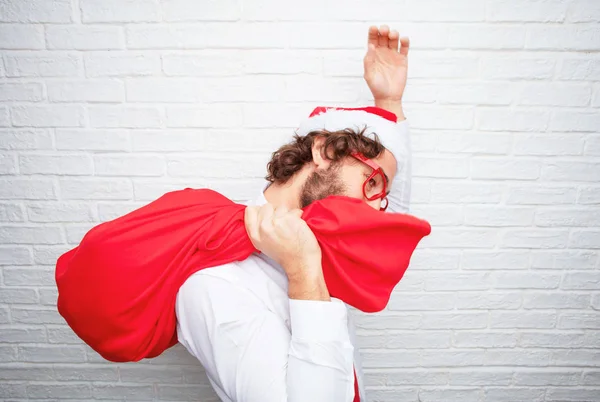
{"x": 376, "y": 170}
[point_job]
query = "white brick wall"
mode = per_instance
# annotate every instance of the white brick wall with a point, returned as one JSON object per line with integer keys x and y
{"x": 106, "y": 104}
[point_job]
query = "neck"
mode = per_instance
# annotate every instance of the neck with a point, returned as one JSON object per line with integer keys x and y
{"x": 287, "y": 194}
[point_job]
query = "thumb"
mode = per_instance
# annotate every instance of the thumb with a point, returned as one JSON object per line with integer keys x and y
{"x": 297, "y": 212}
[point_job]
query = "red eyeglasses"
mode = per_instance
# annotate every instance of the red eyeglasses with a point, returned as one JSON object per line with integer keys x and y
{"x": 375, "y": 186}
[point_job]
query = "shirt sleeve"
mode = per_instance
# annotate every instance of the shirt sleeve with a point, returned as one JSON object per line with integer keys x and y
{"x": 252, "y": 354}
{"x": 399, "y": 197}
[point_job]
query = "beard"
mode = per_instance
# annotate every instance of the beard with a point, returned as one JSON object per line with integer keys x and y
{"x": 321, "y": 184}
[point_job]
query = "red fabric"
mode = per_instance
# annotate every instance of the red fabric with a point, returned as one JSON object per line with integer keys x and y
{"x": 369, "y": 109}
{"x": 117, "y": 289}
{"x": 356, "y": 393}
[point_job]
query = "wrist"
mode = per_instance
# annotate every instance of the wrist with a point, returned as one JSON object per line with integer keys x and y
{"x": 392, "y": 105}
{"x": 307, "y": 283}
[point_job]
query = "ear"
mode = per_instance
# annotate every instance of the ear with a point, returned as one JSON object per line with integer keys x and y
{"x": 318, "y": 153}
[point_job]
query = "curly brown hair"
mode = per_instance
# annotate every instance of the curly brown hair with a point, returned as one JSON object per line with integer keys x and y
{"x": 290, "y": 158}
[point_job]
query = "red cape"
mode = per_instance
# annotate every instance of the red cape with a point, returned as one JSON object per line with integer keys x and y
{"x": 117, "y": 289}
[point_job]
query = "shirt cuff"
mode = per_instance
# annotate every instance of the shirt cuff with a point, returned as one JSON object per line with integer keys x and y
{"x": 319, "y": 321}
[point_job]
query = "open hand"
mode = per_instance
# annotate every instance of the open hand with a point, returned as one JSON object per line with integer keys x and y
{"x": 386, "y": 64}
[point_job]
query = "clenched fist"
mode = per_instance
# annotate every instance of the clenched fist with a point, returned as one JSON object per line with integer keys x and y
{"x": 282, "y": 235}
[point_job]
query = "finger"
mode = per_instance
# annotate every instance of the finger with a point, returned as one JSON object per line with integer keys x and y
{"x": 404, "y": 45}
{"x": 280, "y": 212}
{"x": 297, "y": 213}
{"x": 373, "y": 36}
{"x": 394, "y": 36}
{"x": 265, "y": 218}
{"x": 251, "y": 222}
{"x": 383, "y": 39}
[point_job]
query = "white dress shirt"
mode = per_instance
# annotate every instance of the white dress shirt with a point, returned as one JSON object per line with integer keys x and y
{"x": 258, "y": 345}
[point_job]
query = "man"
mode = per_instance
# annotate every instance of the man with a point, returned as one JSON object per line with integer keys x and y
{"x": 266, "y": 329}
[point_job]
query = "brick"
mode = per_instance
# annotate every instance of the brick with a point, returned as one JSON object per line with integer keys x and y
{"x": 145, "y": 190}
{"x": 512, "y": 120}
{"x": 276, "y": 61}
{"x": 575, "y": 358}
{"x": 459, "y": 238}
{"x": 564, "y": 259}
{"x": 29, "y": 277}
{"x": 21, "y": 335}
{"x": 541, "y": 195}
{"x": 591, "y": 378}
{"x": 585, "y": 239}
{"x": 570, "y": 171}
{"x": 63, "y": 335}
{"x": 440, "y": 215}
{"x": 61, "y": 391}
{"x": 460, "y": 11}
{"x": 493, "y": 144}
{"x": 530, "y": 11}
{"x": 117, "y": 391}
{"x": 592, "y": 145}
{"x": 110, "y": 165}
{"x": 395, "y": 378}
{"x": 21, "y": 36}
{"x": 584, "y": 11}
{"x": 8, "y": 164}
{"x": 81, "y": 37}
{"x": 58, "y": 11}
{"x": 579, "y": 321}
{"x": 503, "y": 169}
{"x": 63, "y": 212}
{"x": 574, "y": 121}
{"x": 92, "y": 140}
{"x": 390, "y": 359}
{"x": 522, "y": 320}
{"x": 492, "y": 260}
{"x": 466, "y": 192}
{"x": 185, "y": 392}
{"x": 488, "y": 301}
{"x": 472, "y": 377}
{"x": 268, "y": 116}
{"x": 548, "y": 144}
{"x": 4, "y": 117}
{"x": 420, "y": 302}
{"x": 28, "y": 189}
{"x": 388, "y": 321}
{"x": 4, "y": 319}
{"x": 107, "y": 212}
{"x": 450, "y": 394}
{"x": 190, "y": 10}
{"x": 148, "y": 374}
{"x": 96, "y": 189}
{"x": 18, "y": 296}
{"x": 559, "y": 94}
{"x": 75, "y": 232}
{"x": 438, "y": 259}
{"x": 571, "y": 217}
{"x": 516, "y": 358}
{"x": 30, "y": 235}
{"x": 394, "y": 394}
{"x": 25, "y": 372}
{"x": 207, "y": 63}
{"x": 581, "y": 69}
{"x": 312, "y": 88}
{"x": 48, "y": 116}
{"x": 588, "y": 195}
{"x": 216, "y": 166}
{"x": 119, "y": 11}
{"x": 440, "y": 167}
{"x": 36, "y": 315}
{"x": 47, "y": 255}
{"x": 525, "y": 280}
{"x": 570, "y": 37}
{"x": 498, "y": 216}
{"x": 571, "y": 394}
{"x": 514, "y": 394}
{"x": 516, "y": 68}
{"x": 43, "y": 64}
{"x": 488, "y": 36}
{"x": 11, "y": 213}
{"x": 551, "y": 340}
{"x": 86, "y": 373}
{"x": 443, "y": 281}
{"x": 432, "y": 66}
{"x": 25, "y": 139}
{"x": 484, "y": 339}
{"x": 207, "y": 36}
{"x": 215, "y": 115}
{"x": 124, "y": 117}
{"x": 454, "y": 320}
{"x": 8, "y": 390}
{"x": 48, "y": 297}
{"x": 51, "y": 354}
{"x": 555, "y": 300}
{"x": 532, "y": 238}
{"x": 25, "y": 91}
{"x": 121, "y": 64}
{"x": 56, "y": 164}
{"x": 15, "y": 256}
{"x": 86, "y": 91}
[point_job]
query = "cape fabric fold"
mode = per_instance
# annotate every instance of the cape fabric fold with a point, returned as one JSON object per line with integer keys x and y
{"x": 117, "y": 289}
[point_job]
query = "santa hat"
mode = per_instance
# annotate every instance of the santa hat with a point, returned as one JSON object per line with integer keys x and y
{"x": 392, "y": 135}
